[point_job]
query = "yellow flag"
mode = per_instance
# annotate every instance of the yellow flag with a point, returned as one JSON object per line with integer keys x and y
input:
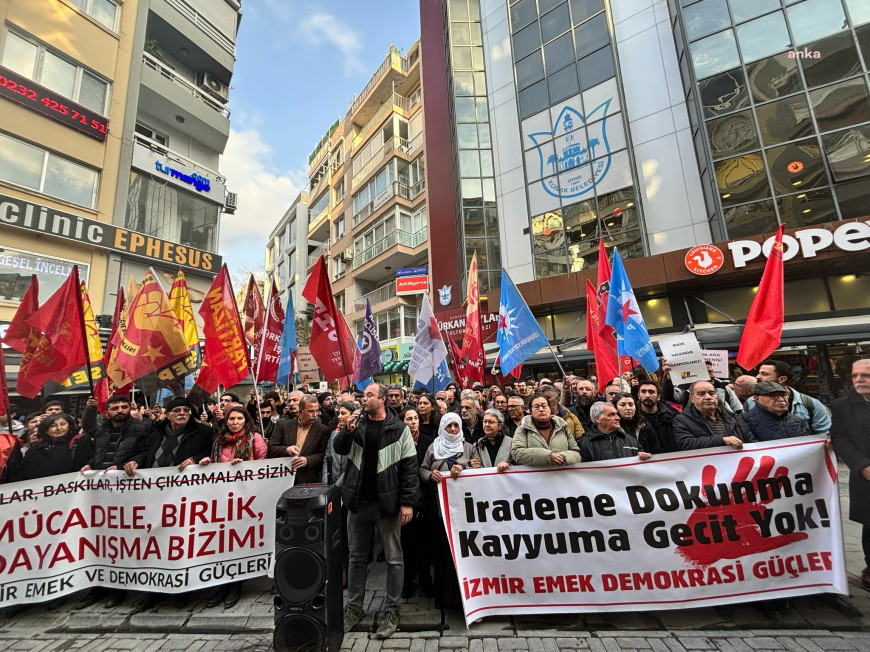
{"x": 179, "y": 299}
{"x": 95, "y": 348}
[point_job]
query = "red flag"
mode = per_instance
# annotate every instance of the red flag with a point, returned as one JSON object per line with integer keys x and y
{"x": 605, "y": 358}
{"x": 763, "y": 329}
{"x": 18, "y": 332}
{"x": 56, "y": 345}
{"x": 225, "y": 350}
{"x": 254, "y": 313}
{"x": 472, "y": 338}
{"x": 332, "y": 345}
{"x": 607, "y": 336}
{"x": 7, "y": 445}
{"x": 106, "y": 387}
{"x": 208, "y": 379}
{"x": 269, "y": 347}
{"x": 4, "y": 390}
{"x": 455, "y": 356}
{"x": 154, "y": 337}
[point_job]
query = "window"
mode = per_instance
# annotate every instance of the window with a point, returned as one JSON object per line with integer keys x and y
{"x": 43, "y": 66}
{"x": 410, "y": 320}
{"x": 339, "y": 227}
{"x": 32, "y": 167}
{"x": 148, "y": 132}
{"x": 291, "y": 230}
{"x": 318, "y": 207}
{"x": 104, "y": 12}
{"x": 339, "y": 298}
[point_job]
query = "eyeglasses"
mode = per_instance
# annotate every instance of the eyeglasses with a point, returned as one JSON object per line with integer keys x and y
{"x": 490, "y": 422}
{"x": 180, "y": 411}
{"x": 540, "y": 406}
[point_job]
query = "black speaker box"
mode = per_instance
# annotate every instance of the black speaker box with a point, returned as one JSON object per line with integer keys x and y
{"x": 308, "y": 593}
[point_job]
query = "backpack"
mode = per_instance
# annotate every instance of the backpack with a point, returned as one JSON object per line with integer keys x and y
{"x": 808, "y": 404}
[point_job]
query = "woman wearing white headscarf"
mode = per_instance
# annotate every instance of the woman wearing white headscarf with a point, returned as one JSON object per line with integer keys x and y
{"x": 449, "y": 453}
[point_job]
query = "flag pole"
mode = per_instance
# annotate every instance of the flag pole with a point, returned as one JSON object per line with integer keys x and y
{"x": 84, "y": 328}
{"x": 257, "y": 400}
{"x": 556, "y": 358}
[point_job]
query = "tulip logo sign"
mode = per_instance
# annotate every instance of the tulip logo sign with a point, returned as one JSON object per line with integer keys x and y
{"x": 570, "y": 172}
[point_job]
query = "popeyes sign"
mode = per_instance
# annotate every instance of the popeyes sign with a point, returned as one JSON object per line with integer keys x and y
{"x": 851, "y": 236}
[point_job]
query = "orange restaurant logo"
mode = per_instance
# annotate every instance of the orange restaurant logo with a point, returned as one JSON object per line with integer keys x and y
{"x": 704, "y": 259}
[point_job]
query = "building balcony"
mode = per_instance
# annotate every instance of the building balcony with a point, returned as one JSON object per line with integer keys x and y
{"x": 188, "y": 10}
{"x": 395, "y": 103}
{"x": 202, "y": 32}
{"x": 322, "y": 250}
{"x": 394, "y": 144}
{"x": 397, "y": 249}
{"x": 395, "y": 189}
{"x": 396, "y": 73}
{"x": 375, "y": 297}
{"x": 166, "y": 93}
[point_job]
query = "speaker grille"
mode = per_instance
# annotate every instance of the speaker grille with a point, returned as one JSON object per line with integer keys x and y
{"x": 299, "y": 634}
{"x": 299, "y": 574}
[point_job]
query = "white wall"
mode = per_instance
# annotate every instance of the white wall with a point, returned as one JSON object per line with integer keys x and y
{"x": 516, "y": 247}
{"x": 670, "y": 188}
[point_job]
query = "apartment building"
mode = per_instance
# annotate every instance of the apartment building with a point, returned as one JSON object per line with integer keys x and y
{"x": 287, "y": 252}
{"x": 366, "y": 211}
{"x": 114, "y": 118}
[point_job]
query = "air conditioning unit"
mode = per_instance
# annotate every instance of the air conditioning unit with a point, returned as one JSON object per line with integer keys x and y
{"x": 348, "y": 254}
{"x": 231, "y": 203}
{"x": 214, "y": 86}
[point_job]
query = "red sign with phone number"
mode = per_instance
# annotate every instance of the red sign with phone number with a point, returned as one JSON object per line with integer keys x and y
{"x": 23, "y": 91}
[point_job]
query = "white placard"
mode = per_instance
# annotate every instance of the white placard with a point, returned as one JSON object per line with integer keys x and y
{"x": 684, "y": 354}
{"x": 719, "y": 358}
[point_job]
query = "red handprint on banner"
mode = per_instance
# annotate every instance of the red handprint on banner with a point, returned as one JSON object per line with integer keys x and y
{"x": 738, "y": 514}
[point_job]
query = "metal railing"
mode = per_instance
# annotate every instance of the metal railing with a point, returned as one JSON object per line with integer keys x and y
{"x": 394, "y": 189}
{"x": 377, "y": 296}
{"x": 392, "y": 239}
{"x": 395, "y": 100}
{"x": 159, "y": 148}
{"x": 322, "y": 250}
{"x": 392, "y": 60}
{"x": 165, "y": 71}
{"x": 205, "y": 25}
{"x": 394, "y": 143}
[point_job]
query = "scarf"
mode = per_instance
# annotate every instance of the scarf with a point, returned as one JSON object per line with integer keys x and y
{"x": 242, "y": 446}
{"x": 446, "y": 444}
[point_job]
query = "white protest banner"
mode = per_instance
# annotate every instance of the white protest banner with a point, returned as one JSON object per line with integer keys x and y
{"x": 685, "y": 356}
{"x": 162, "y": 530}
{"x": 719, "y": 358}
{"x": 697, "y": 528}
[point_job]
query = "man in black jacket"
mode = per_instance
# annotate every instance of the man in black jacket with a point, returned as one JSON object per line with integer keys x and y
{"x": 606, "y": 440}
{"x": 658, "y": 415}
{"x": 380, "y": 490}
{"x": 114, "y": 442}
{"x": 850, "y": 433}
{"x": 178, "y": 440}
{"x": 704, "y": 424}
{"x": 586, "y": 396}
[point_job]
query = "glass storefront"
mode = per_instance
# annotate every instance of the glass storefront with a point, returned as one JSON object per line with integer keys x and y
{"x": 783, "y": 101}
{"x": 155, "y": 207}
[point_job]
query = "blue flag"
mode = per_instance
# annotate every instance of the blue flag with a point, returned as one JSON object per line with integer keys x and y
{"x": 438, "y": 381}
{"x": 288, "y": 344}
{"x": 623, "y": 315}
{"x": 519, "y": 335}
{"x": 370, "y": 348}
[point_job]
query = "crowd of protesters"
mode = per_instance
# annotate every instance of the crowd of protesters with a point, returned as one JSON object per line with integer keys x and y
{"x": 389, "y": 448}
